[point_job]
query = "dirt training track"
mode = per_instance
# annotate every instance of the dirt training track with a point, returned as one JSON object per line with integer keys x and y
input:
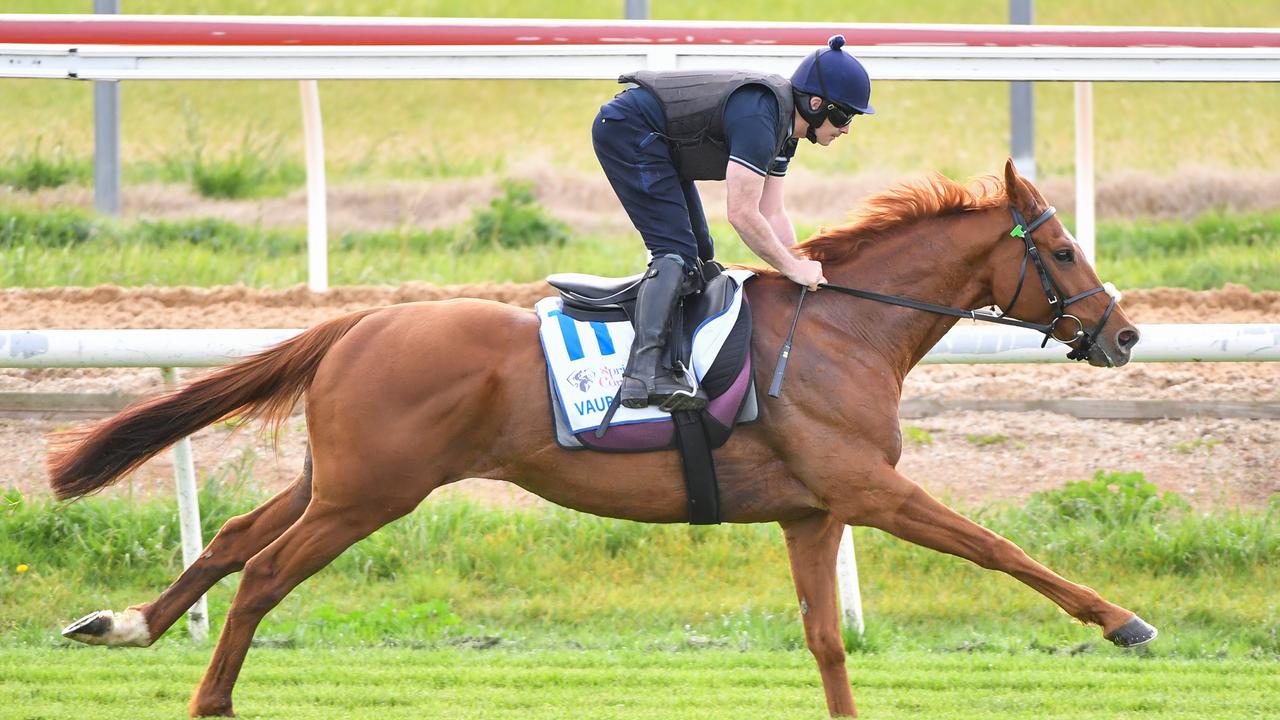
{"x": 972, "y": 456}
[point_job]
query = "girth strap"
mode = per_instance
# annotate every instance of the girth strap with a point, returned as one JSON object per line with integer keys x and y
{"x": 699, "y": 468}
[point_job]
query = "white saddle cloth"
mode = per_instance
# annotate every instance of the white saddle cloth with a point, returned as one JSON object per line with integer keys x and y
{"x": 586, "y": 359}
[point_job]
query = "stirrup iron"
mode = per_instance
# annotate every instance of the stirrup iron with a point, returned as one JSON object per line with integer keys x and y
{"x": 685, "y": 400}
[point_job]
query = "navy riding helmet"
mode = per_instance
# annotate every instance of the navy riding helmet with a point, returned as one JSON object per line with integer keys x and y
{"x": 836, "y": 77}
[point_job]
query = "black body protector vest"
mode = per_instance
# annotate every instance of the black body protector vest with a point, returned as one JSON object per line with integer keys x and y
{"x": 693, "y": 102}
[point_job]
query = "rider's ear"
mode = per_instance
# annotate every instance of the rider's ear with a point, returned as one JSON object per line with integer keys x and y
{"x": 815, "y": 102}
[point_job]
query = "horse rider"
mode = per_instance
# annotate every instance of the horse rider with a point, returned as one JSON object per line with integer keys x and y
{"x": 654, "y": 139}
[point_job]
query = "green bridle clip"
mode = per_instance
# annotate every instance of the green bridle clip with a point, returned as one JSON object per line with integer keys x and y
{"x": 1017, "y": 232}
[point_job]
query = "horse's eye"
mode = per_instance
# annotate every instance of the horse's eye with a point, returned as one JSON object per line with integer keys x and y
{"x": 1065, "y": 256}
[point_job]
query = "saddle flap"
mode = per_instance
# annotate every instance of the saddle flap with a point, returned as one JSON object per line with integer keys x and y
{"x": 716, "y": 297}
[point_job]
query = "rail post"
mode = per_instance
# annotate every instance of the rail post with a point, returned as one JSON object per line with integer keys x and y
{"x": 184, "y": 474}
{"x": 847, "y": 576}
{"x": 317, "y": 206}
{"x": 1085, "y": 224}
{"x": 106, "y": 133}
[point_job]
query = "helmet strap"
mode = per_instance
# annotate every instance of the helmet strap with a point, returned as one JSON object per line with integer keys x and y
{"x": 814, "y": 118}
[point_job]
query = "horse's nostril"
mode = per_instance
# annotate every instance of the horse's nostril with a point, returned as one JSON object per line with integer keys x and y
{"x": 1127, "y": 338}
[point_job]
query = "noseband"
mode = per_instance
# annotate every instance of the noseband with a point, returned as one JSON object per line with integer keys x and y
{"x": 1023, "y": 230}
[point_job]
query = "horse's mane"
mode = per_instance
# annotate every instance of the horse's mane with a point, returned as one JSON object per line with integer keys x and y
{"x": 897, "y": 207}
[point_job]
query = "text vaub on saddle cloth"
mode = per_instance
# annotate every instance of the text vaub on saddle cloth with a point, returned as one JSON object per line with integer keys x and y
{"x": 587, "y": 359}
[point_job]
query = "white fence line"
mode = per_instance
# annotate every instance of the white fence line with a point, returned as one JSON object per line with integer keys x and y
{"x": 79, "y": 62}
{"x": 133, "y": 348}
{"x": 965, "y": 344}
{"x": 1161, "y": 342}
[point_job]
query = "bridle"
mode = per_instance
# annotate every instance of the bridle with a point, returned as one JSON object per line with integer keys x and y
{"x": 1053, "y": 293}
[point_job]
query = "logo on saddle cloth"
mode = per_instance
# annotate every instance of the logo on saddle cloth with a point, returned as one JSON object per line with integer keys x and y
{"x": 586, "y": 360}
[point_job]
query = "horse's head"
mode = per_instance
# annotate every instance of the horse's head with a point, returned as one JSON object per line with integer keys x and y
{"x": 1043, "y": 277}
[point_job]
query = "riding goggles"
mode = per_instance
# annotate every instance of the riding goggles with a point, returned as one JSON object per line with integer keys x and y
{"x": 839, "y": 115}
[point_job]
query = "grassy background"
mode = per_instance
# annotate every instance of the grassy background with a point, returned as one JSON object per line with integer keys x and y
{"x": 415, "y": 129}
{"x": 547, "y": 579}
{"x": 70, "y": 247}
{"x": 382, "y": 684}
{"x": 470, "y": 612}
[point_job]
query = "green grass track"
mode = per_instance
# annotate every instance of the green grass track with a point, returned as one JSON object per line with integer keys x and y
{"x": 386, "y": 683}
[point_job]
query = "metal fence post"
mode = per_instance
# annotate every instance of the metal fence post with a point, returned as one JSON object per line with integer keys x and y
{"x": 106, "y": 133}
{"x": 637, "y": 9}
{"x": 1022, "y": 119}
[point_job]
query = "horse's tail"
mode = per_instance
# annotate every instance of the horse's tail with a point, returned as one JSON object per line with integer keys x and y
{"x": 263, "y": 386}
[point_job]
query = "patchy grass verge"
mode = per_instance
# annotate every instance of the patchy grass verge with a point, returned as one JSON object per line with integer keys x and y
{"x": 514, "y": 239}
{"x": 387, "y": 683}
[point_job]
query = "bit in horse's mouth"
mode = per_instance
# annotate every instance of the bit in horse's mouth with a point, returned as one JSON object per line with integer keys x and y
{"x": 1097, "y": 349}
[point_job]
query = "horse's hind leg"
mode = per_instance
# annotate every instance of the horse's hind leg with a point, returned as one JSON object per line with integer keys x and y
{"x": 325, "y": 529}
{"x": 812, "y": 544}
{"x": 904, "y": 509}
{"x": 240, "y": 538}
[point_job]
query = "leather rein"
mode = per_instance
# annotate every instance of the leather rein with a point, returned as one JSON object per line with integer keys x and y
{"x": 1053, "y": 293}
{"x": 1051, "y": 290}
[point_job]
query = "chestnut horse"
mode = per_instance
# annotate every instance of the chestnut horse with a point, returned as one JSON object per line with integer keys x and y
{"x": 402, "y": 400}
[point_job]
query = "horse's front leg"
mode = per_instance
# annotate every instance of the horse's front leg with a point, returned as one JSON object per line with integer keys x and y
{"x": 812, "y": 544}
{"x": 899, "y": 506}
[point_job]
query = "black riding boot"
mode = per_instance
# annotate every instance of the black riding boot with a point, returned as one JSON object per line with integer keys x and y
{"x": 646, "y": 381}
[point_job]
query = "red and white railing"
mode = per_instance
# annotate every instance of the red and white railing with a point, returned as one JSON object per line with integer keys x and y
{"x": 165, "y": 47}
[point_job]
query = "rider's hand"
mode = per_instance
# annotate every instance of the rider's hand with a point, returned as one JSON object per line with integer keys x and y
{"x": 806, "y": 272}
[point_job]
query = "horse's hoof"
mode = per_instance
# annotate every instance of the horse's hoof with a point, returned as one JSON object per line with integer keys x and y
{"x": 210, "y": 708}
{"x": 90, "y": 627}
{"x": 105, "y": 628}
{"x": 211, "y": 712}
{"x": 1135, "y": 633}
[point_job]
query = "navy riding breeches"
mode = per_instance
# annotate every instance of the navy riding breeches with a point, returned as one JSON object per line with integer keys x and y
{"x": 665, "y": 209}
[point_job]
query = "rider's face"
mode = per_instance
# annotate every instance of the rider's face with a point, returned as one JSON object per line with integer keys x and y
{"x": 828, "y": 133}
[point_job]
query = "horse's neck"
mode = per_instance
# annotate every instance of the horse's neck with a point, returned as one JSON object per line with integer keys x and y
{"x": 936, "y": 261}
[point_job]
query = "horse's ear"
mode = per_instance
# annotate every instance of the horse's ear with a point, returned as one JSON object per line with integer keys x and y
{"x": 1010, "y": 172}
{"x": 1021, "y": 194}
